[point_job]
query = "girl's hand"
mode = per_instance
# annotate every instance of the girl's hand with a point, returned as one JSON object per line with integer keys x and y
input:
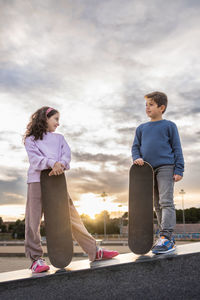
{"x": 58, "y": 169}
{"x": 177, "y": 177}
{"x": 139, "y": 161}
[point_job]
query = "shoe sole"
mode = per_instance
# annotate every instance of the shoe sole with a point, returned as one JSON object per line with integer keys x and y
{"x": 164, "y": 252}
{"x": 104, "y": 258}
{"x": 41, "y": 270}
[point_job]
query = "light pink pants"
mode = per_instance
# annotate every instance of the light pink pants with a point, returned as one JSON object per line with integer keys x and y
{"x": 33, "y": 247}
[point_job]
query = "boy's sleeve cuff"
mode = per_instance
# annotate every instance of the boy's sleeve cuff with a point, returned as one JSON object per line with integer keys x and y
{"x": 178, "y": 172}
{"x": 136, "y": 157}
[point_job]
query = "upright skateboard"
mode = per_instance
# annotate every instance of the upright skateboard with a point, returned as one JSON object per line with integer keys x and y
{"x": 57, "y": 219}
{"x": 140, "y": 226}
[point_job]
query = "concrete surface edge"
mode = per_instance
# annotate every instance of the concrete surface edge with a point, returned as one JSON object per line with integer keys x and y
{"x": 170, "y": 277}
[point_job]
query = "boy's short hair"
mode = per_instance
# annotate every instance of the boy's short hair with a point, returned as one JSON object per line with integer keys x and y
{"x": 159, "y": 98}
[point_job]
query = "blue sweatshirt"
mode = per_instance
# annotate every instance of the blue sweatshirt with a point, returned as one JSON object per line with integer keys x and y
{"x": 159, "y": 144}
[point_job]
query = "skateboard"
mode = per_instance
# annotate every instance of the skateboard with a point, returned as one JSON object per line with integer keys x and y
{"x": 140, "y": 226}
{"x": 56, "y": 218}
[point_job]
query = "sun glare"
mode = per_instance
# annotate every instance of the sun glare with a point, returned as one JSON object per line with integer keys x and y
{"x": 12, "y": 212}
{"x": 92, "y": 204}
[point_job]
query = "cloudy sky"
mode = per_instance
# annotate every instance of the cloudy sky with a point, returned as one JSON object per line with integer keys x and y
{"x": 94, "y": 61}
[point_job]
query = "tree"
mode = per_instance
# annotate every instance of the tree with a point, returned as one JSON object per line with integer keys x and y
{"x": 3, "y": 227}
{"x": 19, "y": 229}
{"x": 99, "y": 222}
{"x": 125, "y": 215}
{"x": 192, "y": 215}
{"x": 10, "y": 227}
{"x": 89, "y": 223}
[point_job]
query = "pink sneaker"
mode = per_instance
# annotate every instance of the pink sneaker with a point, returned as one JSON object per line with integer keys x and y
{"x": 39, "y": 266}
{"x": 105, "y": 254}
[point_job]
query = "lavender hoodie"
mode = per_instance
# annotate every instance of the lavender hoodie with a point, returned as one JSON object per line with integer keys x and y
{"x": 43, "y": 154}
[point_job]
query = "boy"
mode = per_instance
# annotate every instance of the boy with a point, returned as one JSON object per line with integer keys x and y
{"x": 158, "y": 143}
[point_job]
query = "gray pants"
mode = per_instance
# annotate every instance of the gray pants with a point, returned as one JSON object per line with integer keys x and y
{"x": 163, "y": 199}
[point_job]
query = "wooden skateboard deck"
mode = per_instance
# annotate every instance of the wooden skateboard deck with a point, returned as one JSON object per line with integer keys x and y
{"x": 57, "y": 219}
{"x": 140, "y": 227}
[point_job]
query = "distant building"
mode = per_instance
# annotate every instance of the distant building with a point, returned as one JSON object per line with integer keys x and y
{"x": 179, "y": 229}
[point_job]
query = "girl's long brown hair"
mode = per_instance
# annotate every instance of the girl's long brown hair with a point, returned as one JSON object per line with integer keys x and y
{"x": 38, "y": 123}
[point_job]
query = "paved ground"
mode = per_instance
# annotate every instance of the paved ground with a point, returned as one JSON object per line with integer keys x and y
{"x": 17, "y": 263}
{"x": 8, "y": 264}
{"x": 19, "y": 250}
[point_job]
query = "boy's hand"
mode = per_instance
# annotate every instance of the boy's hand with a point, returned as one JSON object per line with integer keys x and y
{"x": 139, "y": 161}
{"x": 58, "y": 169}
{"x": 177, "y": 177}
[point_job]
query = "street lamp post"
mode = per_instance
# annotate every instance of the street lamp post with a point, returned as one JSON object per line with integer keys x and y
{"x": 104, "y": 195}
{"x": 121, "y": 222}
{"x": 182, "y": 193}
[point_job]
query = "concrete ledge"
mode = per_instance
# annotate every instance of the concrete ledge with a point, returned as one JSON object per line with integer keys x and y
{"x": 127, "y": 276}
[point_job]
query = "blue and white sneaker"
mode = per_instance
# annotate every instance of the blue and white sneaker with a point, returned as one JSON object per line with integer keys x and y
{"x": 164, "y": 245}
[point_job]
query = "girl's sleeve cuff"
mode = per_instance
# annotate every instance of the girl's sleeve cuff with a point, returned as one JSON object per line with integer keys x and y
{"x": 51, "y": 163}
{"x": 67, "y": 166}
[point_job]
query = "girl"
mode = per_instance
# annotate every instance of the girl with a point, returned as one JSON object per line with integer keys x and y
{"x": 49, "y": 150}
